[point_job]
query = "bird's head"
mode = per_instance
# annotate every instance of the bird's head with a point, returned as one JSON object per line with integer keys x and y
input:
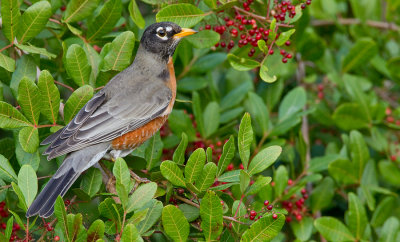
{"x": 162, "y": 38}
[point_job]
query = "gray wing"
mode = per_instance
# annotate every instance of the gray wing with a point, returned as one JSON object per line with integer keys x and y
{"x": 103, "y": 119}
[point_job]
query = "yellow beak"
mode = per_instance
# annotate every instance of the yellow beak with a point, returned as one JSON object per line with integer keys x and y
{"x": 184, "y": 32}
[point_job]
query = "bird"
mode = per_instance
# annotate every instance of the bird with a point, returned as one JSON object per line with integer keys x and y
{"x": 130, "y": 109}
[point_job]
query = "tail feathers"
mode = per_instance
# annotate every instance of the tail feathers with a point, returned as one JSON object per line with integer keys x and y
{"x": 44, "y": 203}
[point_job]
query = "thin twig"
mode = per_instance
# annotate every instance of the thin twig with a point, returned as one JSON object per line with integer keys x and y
{"x": 261, "y": 18}
{"x": 64, "y": 85}
{"x": 6, "y": 47}
{"x": 187, "y": 201}
{"x": 54, "y": 21}
{"x": 354, "y": 21}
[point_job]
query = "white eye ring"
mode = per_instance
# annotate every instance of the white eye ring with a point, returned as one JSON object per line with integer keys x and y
{"x": 161, "y": 33}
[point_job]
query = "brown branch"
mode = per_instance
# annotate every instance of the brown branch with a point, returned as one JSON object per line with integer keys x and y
{"x": 6, "y": 47}
{"x": 64, "y": 85}
{"x": 55, "y": 21}
{"x": 47, "y": 125}
{"x": 261, "y": 18}
{"x": 354, "y": 21}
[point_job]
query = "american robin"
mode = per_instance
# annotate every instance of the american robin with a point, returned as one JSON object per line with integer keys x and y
{"x": 120, "y": 117}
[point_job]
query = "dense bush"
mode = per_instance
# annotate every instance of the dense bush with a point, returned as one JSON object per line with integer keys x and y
{"x": 286, "y": 124}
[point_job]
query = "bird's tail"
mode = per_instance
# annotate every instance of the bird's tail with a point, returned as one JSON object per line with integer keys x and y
{"x": 72, "y": 167}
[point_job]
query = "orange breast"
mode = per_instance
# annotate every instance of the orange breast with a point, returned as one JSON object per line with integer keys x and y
{"x": 137, "y": 137}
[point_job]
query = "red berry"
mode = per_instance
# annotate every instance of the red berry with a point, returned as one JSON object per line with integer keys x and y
{"x": 252, "y": 217}
{"x": 290, "y": 182}
{"x": 320, "y": 87}
{"x": 216, "y": 45}
{"x": 245, "y": 4}
{"x": 272, "y": 184}
{"x": 283, "y": 52}
{"x": 287, "y": 43}
{"x": 241, "y": 166}
{"x": 252, "y": 32}
{"x": 230, "y": 167}
{"x": 97, "y": 48}
{"x": 299, "y": 217}
{"x": 305, "y": 196}
{"x": 289, "y": 56}
{"x": 181, "y": 191}
{"x": 303, "y": 191}
{"x": 208, "y": 26}
{"x": 284, "y": 60}
{"x": 253, "y": 213}
{"x": 49, "y": 228}
{"x": 271, "y": 52}
{"x": 288, "y": 219}
{"x": 56, "y": 238}
{"x": 303, "y": 6}
{"x": 243, "y": 36}
{"x": 320, "y": 95}
{"x": 388, "y": 111}
{"x": 239, "y": 17}
{"x": 67, "y": 202}
{"x": 223, "y": 44}
{"x": 63, "y": 8}
{"x": 229, "y": 23}
{"x": 241, "y": 27}
{"x": 393, "y": 158}
{"x": 269, "y": 207}
{"x": 3, "y": 225}
{"x": 274, "y": 216}
{"x": 266, "y": 202}
{"x": 308, "y": 2}
{"x": 222, "y": 203}
{"x": 258, "y": 36}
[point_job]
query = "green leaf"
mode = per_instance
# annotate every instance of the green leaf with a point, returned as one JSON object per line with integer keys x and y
{"x": 59, "y": 211}
{"x": 211, "y": 3}
{"x": 284, "y": 36}
{"x": 322, "y": 195}
{"x": 105, "y": 21}
{"x": 107, "y": 208}
{"x": 343, "y": 171}
{"x": 239, "y": 210}
{"x": 244, "y": 180}
{"x": 241, "y": 63}
{"x": 77, "y": 65}
{"x": 265, "y": 73}
{"x": 9, "y": 228}
{"x": 18, "y": 219}
{"x": 35, "y": 50}
{"x": 29, "y": 100}
{"x": 360, "y": 54}
{"x": 198, "y": 113}
{"x": 179, "y": 154}
{"x": 390, "y": 230}
{"x": 11, "y": 18}
{"x": 76, "y": 101}
{"x": 359, "y": 152}
{"x": 92, "y": 181}
{"x": 265, "y": 229}
{"x": 153, "y": 151}
{"x": 332, "y": 229}
{"x": 357, "y": 217}
{"x": 121, "y": 172}
{"x": 131, "y": 234}
{"x": 292, "y": 103}
{"x": 79, "y": 9}
{"x": 211, "y": 215}
{"x": 281, "y": 178}
{"x": 228, "y": 152}
{"x": 350, "y": 116}
{"x": 155, "y": 208}
{"x": 390, "y": 172}
{"x": 135, "y": 14}
{"x": 262, "y": 46}
{"x": 7, "y": 63}
{"x": 230, "y": 176}
{"x": 175, "y": 224}
{"x": 264, "y": 159}
{"x": 141, "y": 196}
{"x": 95, "y": 231}
{"x": 204, "y": 39}
{"x": 191, "y": 212}
{"x": 28, "y": 137}
{"x": 26, "y": 68}
{"x": 303, "y": 229}
{"x": 20, "y": 195}
{"x": 258, "y": 112}
{"x": 245, "y": 138}
{"x": 259, "y": 184}
{"x": 11, "y": 118}
{"x": 34, "y": 20}
{"x": 195, "y": 165}
{"x": 211, "y": 118}
{"x": 184, "y": 14}
{"x": 49, "y": 96}
{"x": 383, "y": 211}
{"x": 172, "y": 173}
{"x": 138, "y": 216}
{"x": 207, "y": 177}
{"x": 7, "y": 173}
{"x": 119, "y": 56}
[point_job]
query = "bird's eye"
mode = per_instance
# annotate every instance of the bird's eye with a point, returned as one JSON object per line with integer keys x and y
{"x": 161, "y": 33}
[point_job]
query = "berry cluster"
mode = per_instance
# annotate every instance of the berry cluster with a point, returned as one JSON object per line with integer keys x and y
{"x": 4, "y": 214}
{"x": 390, "y": 118}
{"x": 285, "y": 9}
{"x": 252, "y": 215}
{"x": 320, "y": 91}
{"x": 295, "y": 206}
